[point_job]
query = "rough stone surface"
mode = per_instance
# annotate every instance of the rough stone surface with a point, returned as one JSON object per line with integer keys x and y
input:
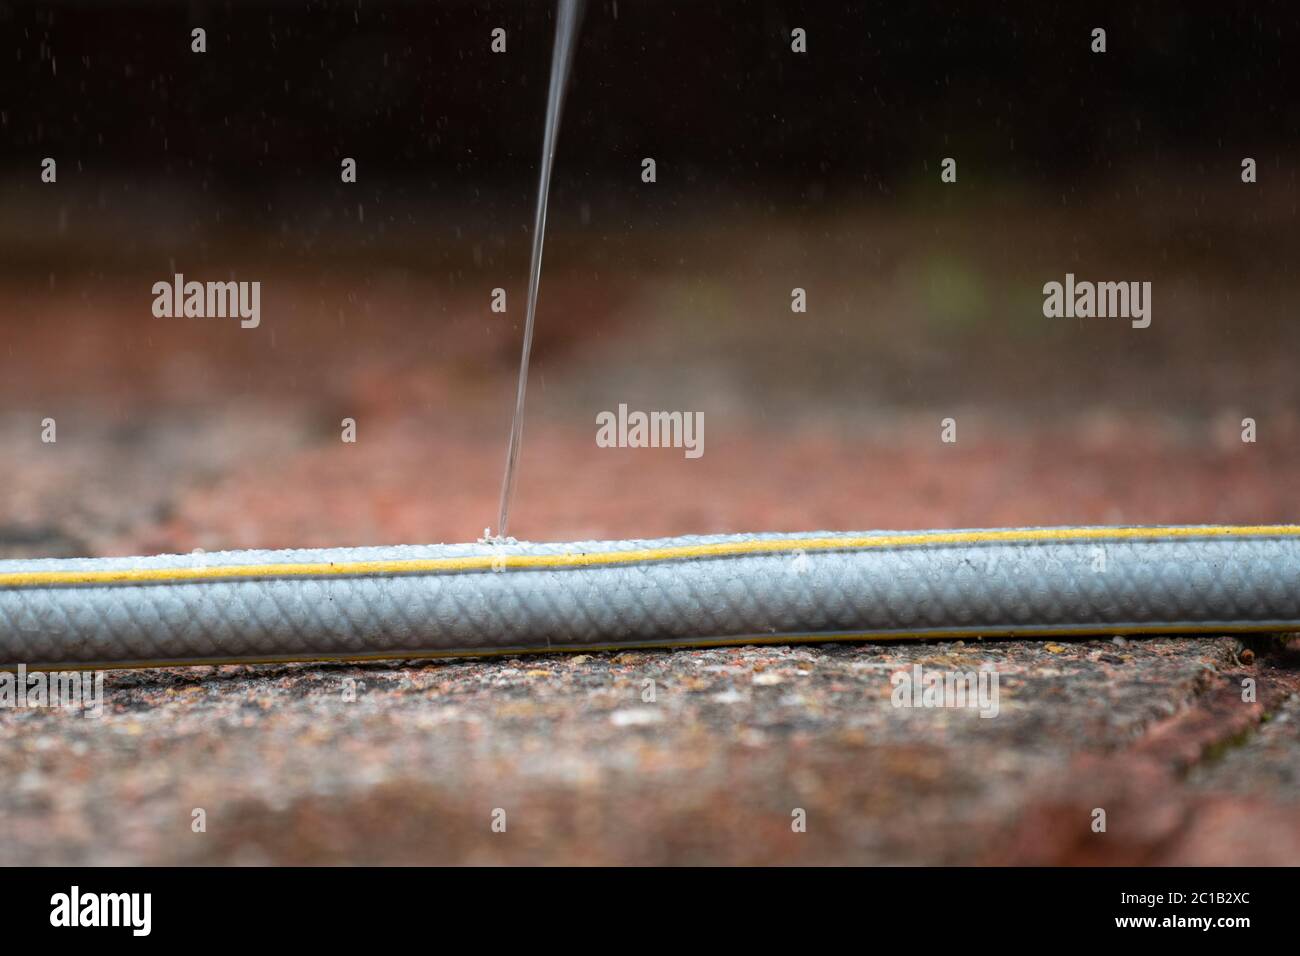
{"x": 588, "y": 769}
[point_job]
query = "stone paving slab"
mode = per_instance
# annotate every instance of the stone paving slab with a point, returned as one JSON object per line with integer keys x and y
{"x": 289, "y": 769}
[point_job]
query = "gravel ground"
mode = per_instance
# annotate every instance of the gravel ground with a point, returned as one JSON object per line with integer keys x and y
{"x": 668, "y": 757}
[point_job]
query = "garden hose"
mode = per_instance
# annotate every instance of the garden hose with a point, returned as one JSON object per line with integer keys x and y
{"x": 507, "y": 597}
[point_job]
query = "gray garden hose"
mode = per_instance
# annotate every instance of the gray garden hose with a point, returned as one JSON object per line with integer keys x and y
{"x": 485, "y": 598}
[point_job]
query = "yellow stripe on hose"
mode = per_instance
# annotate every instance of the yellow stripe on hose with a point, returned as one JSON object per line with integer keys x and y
{"x": 503, "y": 562}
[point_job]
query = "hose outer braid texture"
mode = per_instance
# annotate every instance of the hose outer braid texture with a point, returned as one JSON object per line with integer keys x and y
{"x": 486, "y": 598}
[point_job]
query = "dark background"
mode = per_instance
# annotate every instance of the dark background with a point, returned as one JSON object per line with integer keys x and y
{"x": 413, "y": 92}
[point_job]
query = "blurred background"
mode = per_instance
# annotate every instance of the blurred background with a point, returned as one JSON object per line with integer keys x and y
{"x": 775, "y": 170}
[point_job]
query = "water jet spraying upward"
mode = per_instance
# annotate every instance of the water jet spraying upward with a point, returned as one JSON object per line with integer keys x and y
{"x": 566, "y": 32}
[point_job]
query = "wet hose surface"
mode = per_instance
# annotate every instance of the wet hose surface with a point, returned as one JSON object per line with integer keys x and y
{"x": 493, "y": 598}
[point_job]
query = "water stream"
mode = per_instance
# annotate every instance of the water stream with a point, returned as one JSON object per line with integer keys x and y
{"x": 567, "y": 18}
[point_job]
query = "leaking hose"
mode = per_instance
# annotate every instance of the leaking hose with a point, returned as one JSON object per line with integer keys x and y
{"x": 493, "y": 598}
